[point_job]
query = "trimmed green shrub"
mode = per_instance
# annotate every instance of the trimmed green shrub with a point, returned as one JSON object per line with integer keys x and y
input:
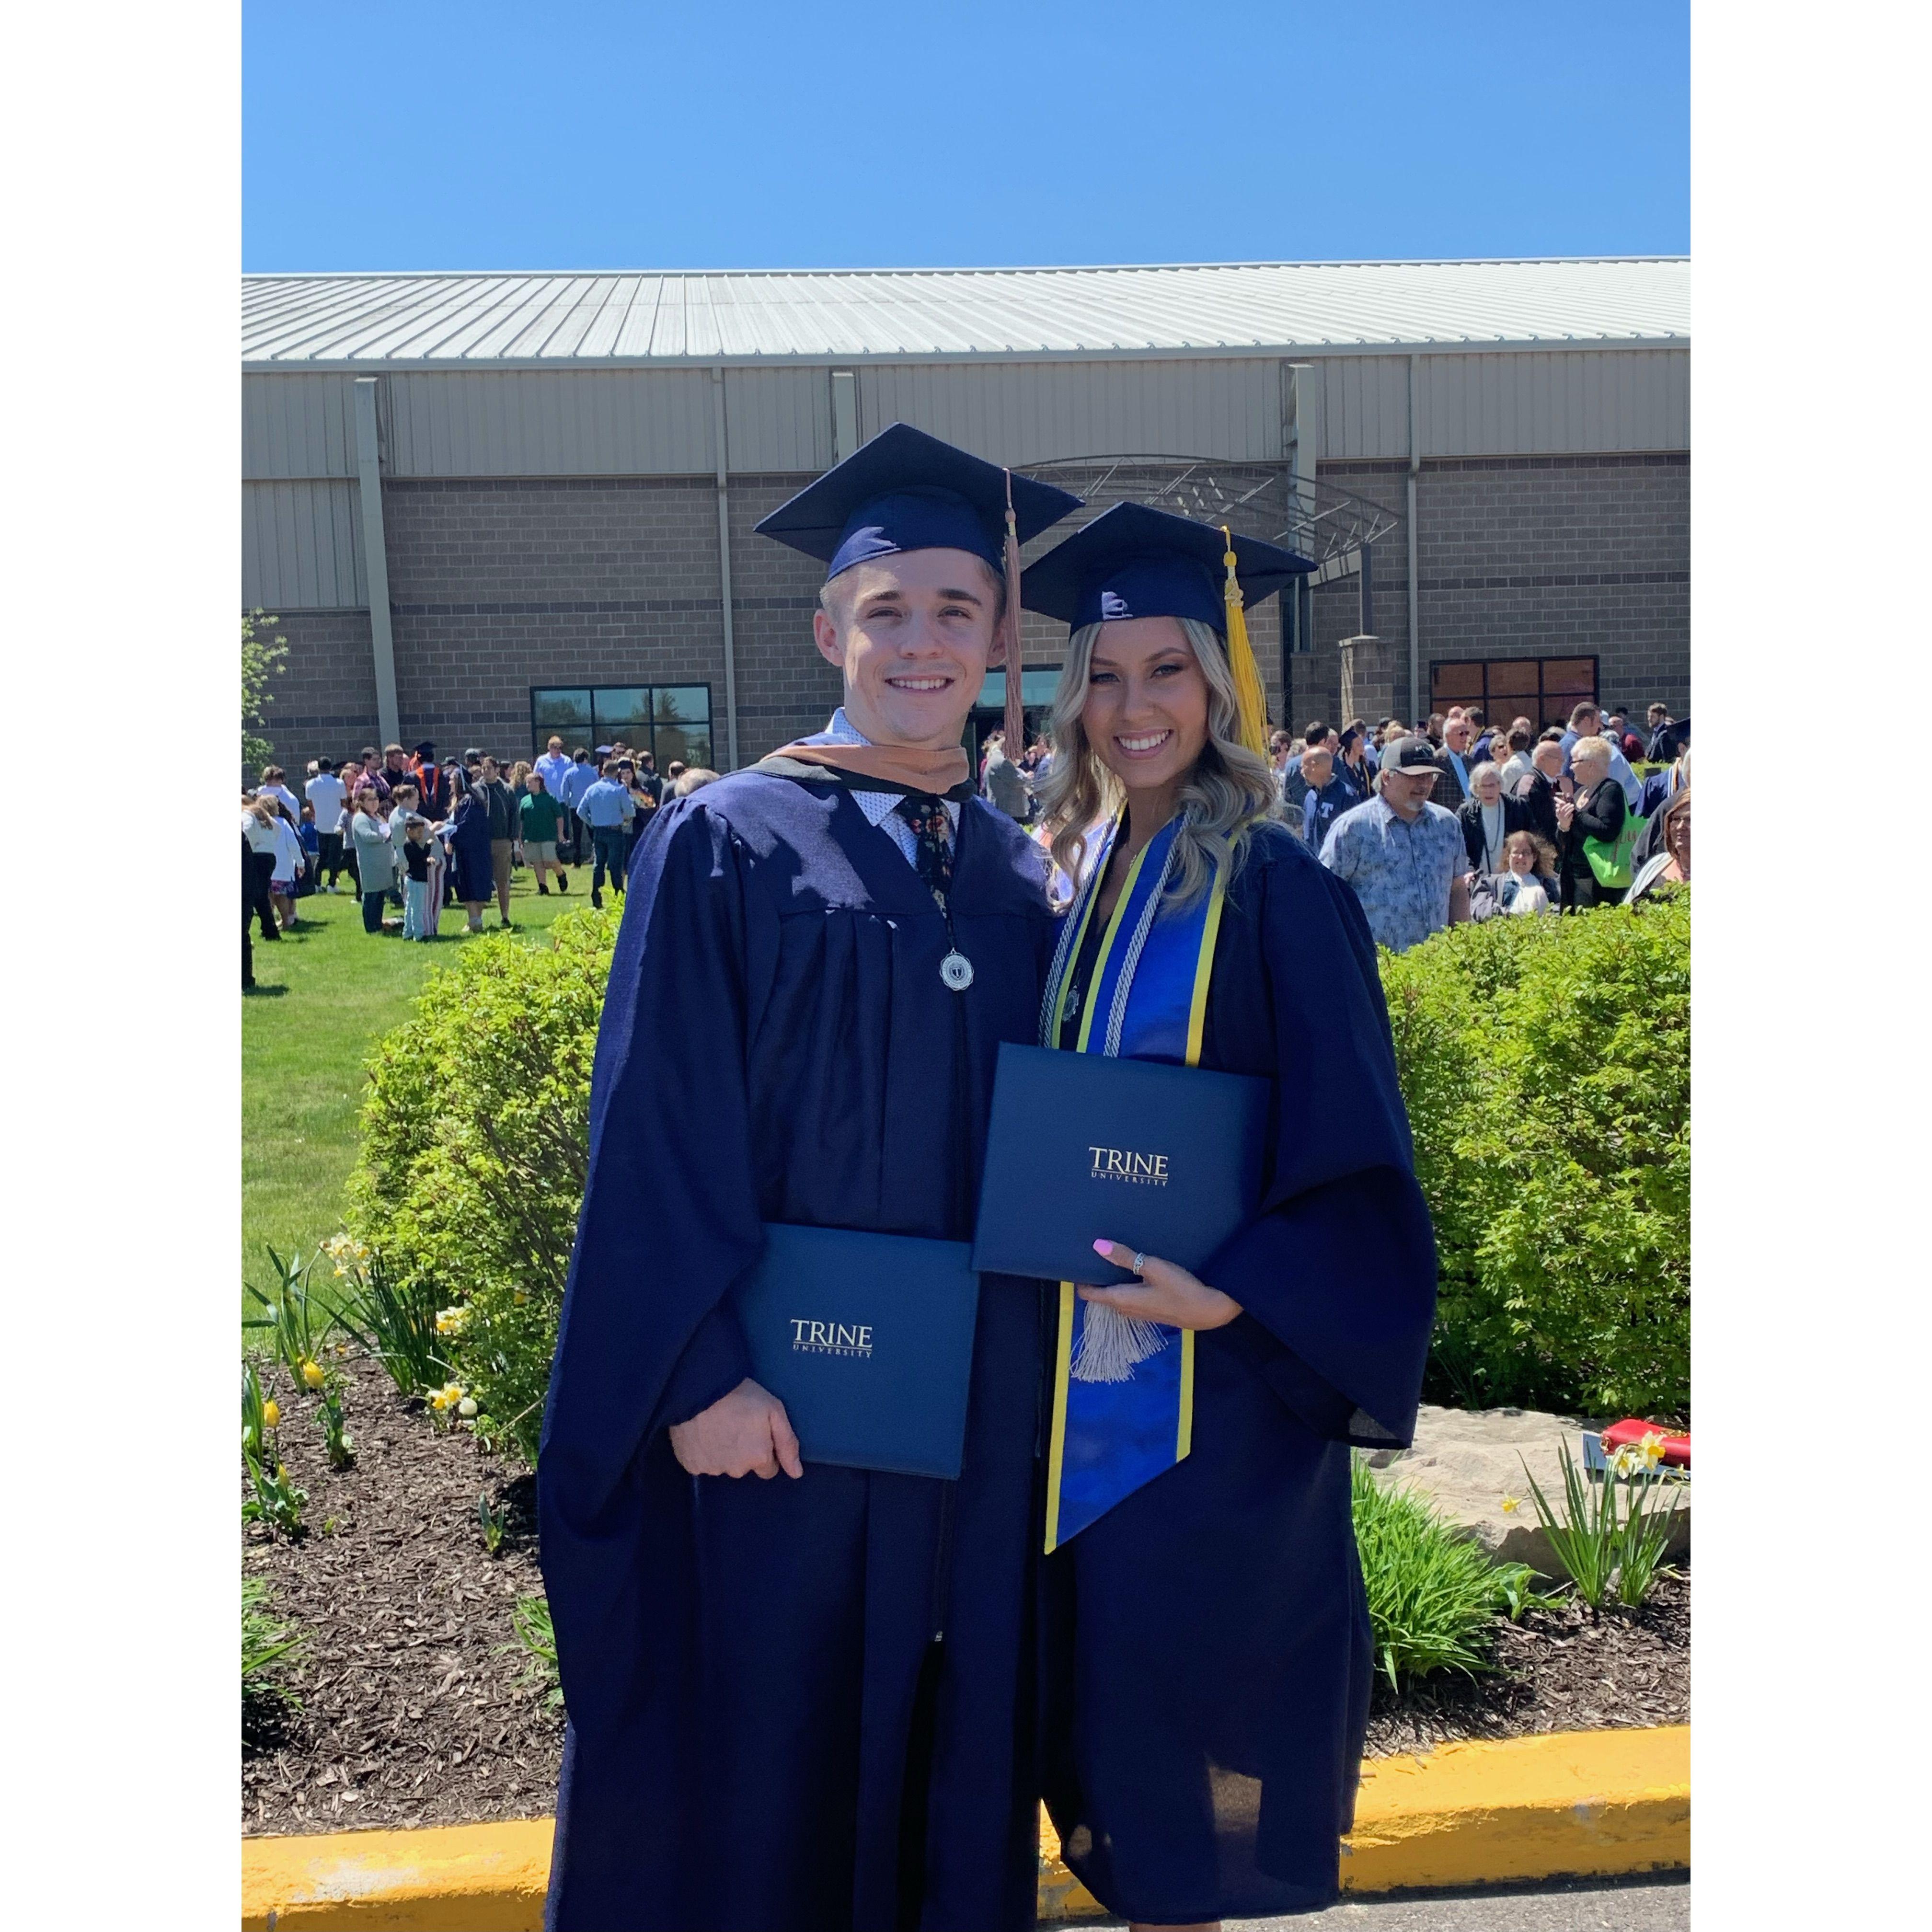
{"x": 1545, "y": 1063}
{"x": 1433, "y": 1595}
{"x": 1547, "y": 1066}
{"x": 475, "y": 1151}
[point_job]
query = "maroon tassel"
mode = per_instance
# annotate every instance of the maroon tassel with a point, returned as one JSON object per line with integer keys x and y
{"x": 1016, "y": 721}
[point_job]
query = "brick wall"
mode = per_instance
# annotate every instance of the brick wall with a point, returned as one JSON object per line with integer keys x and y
{"x": 325, "y": 696}
{"x": 1526, "y": 556}
{"x": 498, "y": 585}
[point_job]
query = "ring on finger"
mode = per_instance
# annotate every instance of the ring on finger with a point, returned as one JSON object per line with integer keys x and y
{"x": 1140, "y": 1256}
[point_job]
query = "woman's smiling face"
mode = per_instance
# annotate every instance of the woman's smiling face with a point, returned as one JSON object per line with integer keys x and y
{"x": 1146, "y": 712}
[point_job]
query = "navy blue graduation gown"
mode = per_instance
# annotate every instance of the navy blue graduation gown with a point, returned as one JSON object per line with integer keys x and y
{"x": 1208, "y": 1658}
{"x": 762, "y": 1736}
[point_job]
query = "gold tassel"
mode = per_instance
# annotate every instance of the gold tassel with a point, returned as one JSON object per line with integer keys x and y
{"x": 1015, "y": 719}
{"x": 1250, "y": 699}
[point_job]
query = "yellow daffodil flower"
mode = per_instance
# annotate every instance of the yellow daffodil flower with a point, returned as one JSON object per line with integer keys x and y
{"x": 1511, "y": 1505}
{"x": 271, "y": 1416}
{"x": 312, "y": 1375}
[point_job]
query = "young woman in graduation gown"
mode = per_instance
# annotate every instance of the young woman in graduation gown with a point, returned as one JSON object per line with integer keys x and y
{"x": 1207, "y": 1661}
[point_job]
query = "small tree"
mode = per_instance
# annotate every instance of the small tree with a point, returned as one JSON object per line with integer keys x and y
{"x": 262, "y": 657}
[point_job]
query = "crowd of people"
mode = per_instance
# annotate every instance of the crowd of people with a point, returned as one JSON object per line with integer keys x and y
{"x": 1457, "y": 818}
{"x": 417, "y": 836}
{"x": 1453, "y": 818}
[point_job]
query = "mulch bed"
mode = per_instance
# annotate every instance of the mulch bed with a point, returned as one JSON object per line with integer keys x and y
{"x": 416, "y": 1707}
{"x": 1561, "y": 1670}
{"x": 417, "y": 1702}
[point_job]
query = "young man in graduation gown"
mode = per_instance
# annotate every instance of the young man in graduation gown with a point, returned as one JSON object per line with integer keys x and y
{"x": 799, "y": 1695}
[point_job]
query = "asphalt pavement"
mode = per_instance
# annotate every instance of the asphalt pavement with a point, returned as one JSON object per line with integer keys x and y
{"x": 1648, "y": 1904}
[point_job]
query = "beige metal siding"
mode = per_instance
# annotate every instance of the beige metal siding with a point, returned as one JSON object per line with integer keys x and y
{"x": 301, "y": 548}
{"x": 606, "y": 422}
{"x": 298, "y": 426}
{"x": 1364, "y": 405}
{"x": 1600, "y": 401}
{"x": 1031, "y": 412}
{"x": 778, "y": 419}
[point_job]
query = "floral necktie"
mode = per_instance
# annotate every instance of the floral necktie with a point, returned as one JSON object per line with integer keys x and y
{"x": 932, "y": 850}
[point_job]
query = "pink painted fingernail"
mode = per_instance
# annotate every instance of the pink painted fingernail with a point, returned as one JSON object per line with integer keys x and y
{"x": 1100, "y": 1248}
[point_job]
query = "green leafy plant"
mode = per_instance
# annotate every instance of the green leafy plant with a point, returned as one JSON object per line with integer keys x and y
{"x": 298, "y": 1321}
{"x": 1547, "y": 1067}
{"x": 274, "y": 1498}
{"x": 337, "y": 1443}
{"x": 538, "y": 1636}
{"x": 493, "y": 1522}
{"x": 474, "y": 1152}
{"x": 268, "y": 1647}
{"x": 1610, "y": 1534}
{"x": 1433, "y": 1594}
{"x": 393, "y": 1320}
{"x": 261, "y": 658}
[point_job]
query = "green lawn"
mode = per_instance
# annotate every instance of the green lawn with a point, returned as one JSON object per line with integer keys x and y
{"x": 325, "y": 992}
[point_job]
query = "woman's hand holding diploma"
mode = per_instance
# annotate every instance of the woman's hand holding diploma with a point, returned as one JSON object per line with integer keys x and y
{"x": 1165, "y": 1292}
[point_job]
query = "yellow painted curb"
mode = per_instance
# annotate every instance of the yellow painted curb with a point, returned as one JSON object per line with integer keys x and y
{"x": 1590, "y": 1803}
{"x": 1594, "y": 1802}
{"x": 451, "y": 1878}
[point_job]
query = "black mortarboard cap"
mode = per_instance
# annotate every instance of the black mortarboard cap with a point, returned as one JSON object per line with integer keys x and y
{"x": 1132, "y": 561}
{"x": 906, "y": 490}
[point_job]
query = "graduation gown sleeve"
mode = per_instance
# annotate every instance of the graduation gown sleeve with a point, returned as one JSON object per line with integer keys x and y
{"x": 1336, "y": 1274}
{"x": 670, "y": 1219}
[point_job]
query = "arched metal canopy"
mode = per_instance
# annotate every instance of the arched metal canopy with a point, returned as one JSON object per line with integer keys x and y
{"x": 1268, "y": 500}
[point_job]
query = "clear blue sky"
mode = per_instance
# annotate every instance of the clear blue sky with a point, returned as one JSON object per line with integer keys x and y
{"x": 739, "y": 133}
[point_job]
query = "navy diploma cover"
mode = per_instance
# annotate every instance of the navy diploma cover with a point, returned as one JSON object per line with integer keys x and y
{"x": 1166, "y": 1158}
{"x": 868, "y": 1341}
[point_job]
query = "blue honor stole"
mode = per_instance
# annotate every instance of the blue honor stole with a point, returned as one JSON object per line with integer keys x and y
{"x": 1124, "y": 1391}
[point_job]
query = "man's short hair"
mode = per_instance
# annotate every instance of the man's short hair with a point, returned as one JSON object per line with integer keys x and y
{"x": 1518, "y": 738}
{"x": 1578, "y": 713}
{"x": 581, "y": 756}
{"x": 392, "y": 750}
{"x": 1474, "y": 714}
{"x": 272, "y": 774}
{"x": 1317, "y": 730}
{"x": 1550, "y": 734}
{"x": 996, "y": 578}
{"x": 1657, "y": 713}
{"x": 324, "y": 765}
{"x": 370, "y": 751}
{"x": 554, "y": 739}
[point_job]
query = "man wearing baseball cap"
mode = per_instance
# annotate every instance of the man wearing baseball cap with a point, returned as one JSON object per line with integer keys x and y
{"x": 1405, "y": 855}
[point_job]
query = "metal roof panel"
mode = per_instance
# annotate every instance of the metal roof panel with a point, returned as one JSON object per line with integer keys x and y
{"x": 890, "y": 314}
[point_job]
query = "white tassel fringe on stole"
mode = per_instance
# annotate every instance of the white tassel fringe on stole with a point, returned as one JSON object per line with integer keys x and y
{"x": 1111, "y": 1343}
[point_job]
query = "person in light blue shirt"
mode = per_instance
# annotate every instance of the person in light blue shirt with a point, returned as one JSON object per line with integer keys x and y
{"x": 608, "y": 808}
{"x": 1404, "y": 856}
{"x": 554, "y": 767}
{"x": 569, "y": 791}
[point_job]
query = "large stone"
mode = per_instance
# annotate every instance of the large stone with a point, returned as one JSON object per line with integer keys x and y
{"x": 1468, "y": 1462}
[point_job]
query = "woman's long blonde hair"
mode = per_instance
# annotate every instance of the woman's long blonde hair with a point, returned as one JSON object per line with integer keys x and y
{"x": 1230, "y": 790}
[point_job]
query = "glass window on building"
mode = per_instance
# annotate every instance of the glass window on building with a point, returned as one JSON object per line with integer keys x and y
{"x": 669, "y": 720}
{"x": 1544, "y": 690}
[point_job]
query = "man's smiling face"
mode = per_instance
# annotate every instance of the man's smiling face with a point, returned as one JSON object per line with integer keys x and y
{"x": 914, "y": 634}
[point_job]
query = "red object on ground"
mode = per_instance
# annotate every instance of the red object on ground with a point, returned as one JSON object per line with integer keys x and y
{"x": 1630, "y": 1432}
